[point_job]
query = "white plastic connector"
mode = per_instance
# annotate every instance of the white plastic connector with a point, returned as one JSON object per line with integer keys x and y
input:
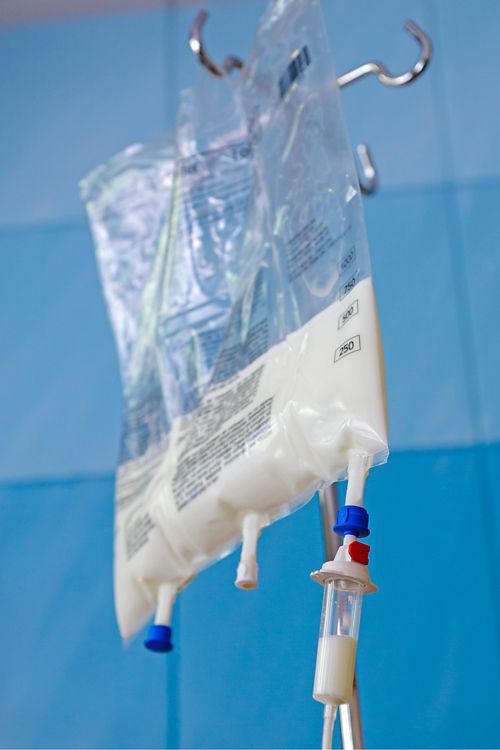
{"x": 344, "y": 568}
{"x": 247, "y": 572}
{"x": 165, "y": 602}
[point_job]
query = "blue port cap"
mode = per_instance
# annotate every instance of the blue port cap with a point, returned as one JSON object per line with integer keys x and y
{"x": 159, "y": 639}
{"x": 351, "y": 519}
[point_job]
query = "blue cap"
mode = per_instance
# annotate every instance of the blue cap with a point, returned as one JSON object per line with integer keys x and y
{"x": 159, "y": 639}
{"x": 352, "y": 519}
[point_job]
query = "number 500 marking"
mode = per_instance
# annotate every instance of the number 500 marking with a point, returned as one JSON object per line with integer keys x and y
{"x": 348, "y": 347}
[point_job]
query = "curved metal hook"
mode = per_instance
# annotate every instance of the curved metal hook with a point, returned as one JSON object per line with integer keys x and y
{"x": 367, "y": 171}
{"x": 384, "y": 75}
{"x": 372, "y": 68}
{"x": 198, "y": 48}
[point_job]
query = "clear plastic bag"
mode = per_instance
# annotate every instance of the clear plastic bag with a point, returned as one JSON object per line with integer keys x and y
{"x": 128, "y": 201}
{"x": 213, "y": 197}
{"x": 265, "y": 329}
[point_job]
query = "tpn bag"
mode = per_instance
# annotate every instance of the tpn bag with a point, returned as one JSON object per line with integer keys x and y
{"x": 197, "y": 295}
{"x": 267, "y": 343}
{"x": 166, "y": 224}
{"x": 128, "y": 201}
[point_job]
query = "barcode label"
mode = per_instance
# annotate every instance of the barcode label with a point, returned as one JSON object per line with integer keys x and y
{"x": 301, "y": 60}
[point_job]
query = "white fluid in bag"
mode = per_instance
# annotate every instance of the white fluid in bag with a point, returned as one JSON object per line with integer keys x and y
{"x": 283, "y": 426}
{"x": 334, "y": 678}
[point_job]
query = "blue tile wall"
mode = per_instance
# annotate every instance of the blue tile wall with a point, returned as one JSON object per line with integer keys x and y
{"x": 428, "y": 397}
{"x": 418, "y": 636}
{"x": 66, "y": 680}
{"x": 428, "y": 636}
{"x": 467, "y": 63}
{"x": 59, "y": 368}
{"x": 491, "y": 479}
{"x": 74, "y": 93}
{"x": 478, "y": 207}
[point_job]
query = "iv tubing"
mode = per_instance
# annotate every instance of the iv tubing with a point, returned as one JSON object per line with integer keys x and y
{"x": 329, "y": 714}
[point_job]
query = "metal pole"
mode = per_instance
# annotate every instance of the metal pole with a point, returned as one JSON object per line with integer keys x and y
{"x": 350, "y": 715}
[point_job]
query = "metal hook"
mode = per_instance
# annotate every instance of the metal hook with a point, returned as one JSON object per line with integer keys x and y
{"x": 372, "y": 68}
{"x": 383, "y": 75}
{"x": 367, "y": 171}
{"x": 198, "y": 48}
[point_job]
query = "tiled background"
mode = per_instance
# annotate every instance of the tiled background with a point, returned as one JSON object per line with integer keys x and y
{"x": 75, "y": 92}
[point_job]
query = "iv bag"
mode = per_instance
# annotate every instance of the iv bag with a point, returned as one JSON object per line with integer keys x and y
{"x": 265, "y": 327}
{"x": 128, "y": 203}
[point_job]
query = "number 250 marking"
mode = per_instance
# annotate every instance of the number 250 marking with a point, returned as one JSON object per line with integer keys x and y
{"x": 348, "y": 347}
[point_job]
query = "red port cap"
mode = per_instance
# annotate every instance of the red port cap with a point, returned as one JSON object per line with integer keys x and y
{"x": 359, "y": 552}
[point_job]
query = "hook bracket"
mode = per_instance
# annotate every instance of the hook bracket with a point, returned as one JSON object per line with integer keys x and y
{"x": 375, "y": 68}
{"x": 367, "y": 171}
{"x": 387, "y": 78}
{"x": 368, "y": 178}
{"x": 200, "y": 51}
